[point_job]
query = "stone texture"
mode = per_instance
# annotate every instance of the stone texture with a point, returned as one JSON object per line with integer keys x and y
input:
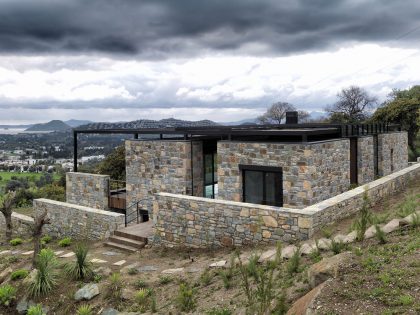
{"x": 370, "y": 232}
{"x": 103, "y": 271}
{"x": 173, "y": 271}
{"x": 326, "y": 268}
{"x": 218, "y": 264}
{"x": 89, "y": 190}
{"x": 119, "y": 263}
{"x": 312, "y": 172}
{"x": 5, "y": 274}
{"x": 350, "y": 238}
{"x": 98, "y": 261}
{"x": 391, "y": 226}
{"x": 268, "y": 255}
{"x": 365, "y": 160}
{"x": 392, "y": 152}
{"x": 88, "y": 292}
{"x": 303, "y": 305}
{"x": 78, "y": 221}
{"x": 22, "y": 225}
{"x": 110, "y": 311}
{"x": 410, "y": 218}
{"x": 288, "y": 251}
{"x": 324, "y": 243}
{"x": 307, "y": 249}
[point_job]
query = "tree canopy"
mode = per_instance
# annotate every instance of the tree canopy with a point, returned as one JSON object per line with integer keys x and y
{"x": 276, "y": 113}
{"x": 114, "y": 164}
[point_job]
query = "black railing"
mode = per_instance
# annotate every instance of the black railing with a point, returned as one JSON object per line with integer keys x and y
{"x": 134, "y": 213}
{"x": 367, "y": 129}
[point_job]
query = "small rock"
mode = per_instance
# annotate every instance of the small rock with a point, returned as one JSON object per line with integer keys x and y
{"x": 59, "y": 252}
{"x": 307, "y": 249}
{"x": 370, "y": 232}
{"x": 339, "y": 238}
{"x": 408, "y": 220}
{"x": 324, "y": 243}
{"x": 103, "y": 271}
{"x": 350, "y": 238}
{"x": 304, "y": 304}
{"x": 192, "y": 270}
{"x": 15, "y": 252}
{"x": 30, "y": 278}
{"x": 288, "y": 251}
{"x": 147, "y": 268}
{"x": 110, "y": 253}
{"x": 71, "y": 254}
{"x": 119, "y": 263}
{"x": 173, "y": 271}
{"x": 4, "y": 252}
{"x": 5, "y": 274}
{"x": 391, "y": 226}
{"x": 219, "y": 264}
{"x": 98, "y": 261}
{"x": 267, "y": 255}
{"x": 28, "y": 253}
{"x": 326, "y": 268}
{"x": 88, "y": 292}
{"x": 110, "y": 311}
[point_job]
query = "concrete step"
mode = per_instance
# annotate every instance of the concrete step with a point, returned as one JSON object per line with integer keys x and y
{"x": 126, "y": 241}
{"x": 130, "y": 236}
{"x": 121, "y": 247}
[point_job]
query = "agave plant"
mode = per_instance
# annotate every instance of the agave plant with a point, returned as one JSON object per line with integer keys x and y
{"x": 80, "y": 269}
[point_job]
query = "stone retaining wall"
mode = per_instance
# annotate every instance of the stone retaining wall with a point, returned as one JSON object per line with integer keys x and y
{"x": 90, "y": 190}
{"x": 365, "y": 160}
{"x": 312, "y": 172}
{"x": 392, "y": 152}
{"x": 78, "y": 222}
{"x": 200, "y": 222}
{"x": 21, "y": 225}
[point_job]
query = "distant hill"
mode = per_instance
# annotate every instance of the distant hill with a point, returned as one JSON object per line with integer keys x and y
{"x": 76, "y": 123}
{"x": 147, "y": 123}
{"x": 250, "y": 121}
{"x": 53, "y": 125}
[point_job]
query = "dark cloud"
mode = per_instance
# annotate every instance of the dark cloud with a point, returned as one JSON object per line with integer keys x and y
{"x": 163, "y": 28}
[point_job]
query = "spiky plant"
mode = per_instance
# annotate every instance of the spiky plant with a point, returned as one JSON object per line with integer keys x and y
{"x": 81, "y": 269}
{"x": 35, "y": 310}
{"x": 85, "y": 309}
{"x": 46, "y": 276}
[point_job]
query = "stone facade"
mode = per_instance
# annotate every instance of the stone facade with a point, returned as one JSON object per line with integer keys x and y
{"x": 161, "y": 166}
{"x": 78, "y": 222}
{"x": 90, "y": 190}
{"x": 365, "y": 160}
{"x": 392, "y": 152}
{"x": 312, "y": 172}
{"x": 22, "y": 225}
{"x": 200, "y": 222}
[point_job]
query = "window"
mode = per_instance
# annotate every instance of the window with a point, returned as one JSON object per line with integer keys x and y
{"x": 210, "y": 175}
{"x": 262, "y": 185}
{"x": 392, "y": 160}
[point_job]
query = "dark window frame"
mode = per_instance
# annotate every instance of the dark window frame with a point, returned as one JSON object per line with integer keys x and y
{"x": 264, "y": 170}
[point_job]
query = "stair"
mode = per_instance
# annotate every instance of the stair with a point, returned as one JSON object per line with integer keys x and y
{"x": 130, "y": 239}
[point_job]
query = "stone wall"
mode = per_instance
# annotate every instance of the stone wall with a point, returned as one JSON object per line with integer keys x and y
{"x": 161, "y": 166}
{"x": 341, "y": 206}
{"x": 200, "y": 222}
{"x": 365, "y": 160}
{"x": 78, "y": 222}
{"x": 90, "y": 190}
{"x": 311, "y": 171}
{"x": 21, "y": 225}
{"x": 397, "y": 144}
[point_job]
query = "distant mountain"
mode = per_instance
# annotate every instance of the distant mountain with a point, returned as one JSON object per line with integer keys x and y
{"x": 76, "y": 123}
{"x": 250, "y": 121}
{"x": 146, "y": 123}
{"x": 53, "y": 125}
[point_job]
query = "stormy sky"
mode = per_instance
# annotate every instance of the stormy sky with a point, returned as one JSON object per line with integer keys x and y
{"x": 109, "y": 60}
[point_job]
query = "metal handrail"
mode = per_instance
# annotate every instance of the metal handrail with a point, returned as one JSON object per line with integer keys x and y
{"x": 136, "y": 211}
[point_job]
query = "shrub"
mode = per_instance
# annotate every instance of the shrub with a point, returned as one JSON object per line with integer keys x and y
{"x": 19, "y": 274}
{"x": 227, "y": 275}
{"x": 408, "y": 206}
{"x": 115, "y": 287}
{"x": 7, "y": 294}
{"x": 46, "y": 239}
{"x": 361, "y": 224}
{"x": 326, "y": 232}
{"x": 46, "y": 276}
{"x": 165, "y": 279}
{"x": 380, "y": 235}
{"x": 132, "y": 271}
{"x": 143, "y": 298}
{"x": 416, "y": 220}
{"x": 219, "y": 311}
{"x": 206, "y": 277}
{"x": 337, "y": 246}
{"x": 141, "y": 284}
{"x": 65, "y": 242}
{"x": 81, "y": 268}
{"x": 85, "y": 309}
{"x": 252, "y": 265}
{"x": 294, "y": 263}
{"x": 186, "y": 300}
{"x": 16, "y": 241}
{"x": 35, "y": 310}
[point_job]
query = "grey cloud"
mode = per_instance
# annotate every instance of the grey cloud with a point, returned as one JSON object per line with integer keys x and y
{"x": 157, "y": 29}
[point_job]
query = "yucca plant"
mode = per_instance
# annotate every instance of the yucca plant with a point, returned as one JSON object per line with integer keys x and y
{"x": 35, "y": 310}
{"x": 85, "y": 309}
{"x": 81, "y": 269}
{"x": 46, "y": 276}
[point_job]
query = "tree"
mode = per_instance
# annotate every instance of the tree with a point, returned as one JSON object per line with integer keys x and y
{"x": 276, "y": 113}
{"x": 114, "y": 164}
{"x": 303, "y": 116}
{"x": 402, "y": 107}
{"x": 352, "y": 105}
{"x": 39, "y": 222}
{"x": 6, "y": 207}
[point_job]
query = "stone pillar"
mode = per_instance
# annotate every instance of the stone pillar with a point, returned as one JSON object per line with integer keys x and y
{"x": 392, "y": 152}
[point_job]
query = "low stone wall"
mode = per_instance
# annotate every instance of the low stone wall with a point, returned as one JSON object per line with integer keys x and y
{"x": 341, "y": 206}
{"x": 21, "y": 225}
{"x": 90, "y": 190}
{"x": 78, "y": 222}
{"x": 200, "y": 222}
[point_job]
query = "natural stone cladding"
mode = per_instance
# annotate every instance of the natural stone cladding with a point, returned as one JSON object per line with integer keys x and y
{"x": 201, "y": 222}
{"x": 22, "y": 225}
{"x": 161, "y": 166}
{"x": 365, "y": 160}
{"x": 78, "y": 222}
{"x": 312, "y": 172}
{"x": 90, "y": 190}
{"x": 397, "y": 144}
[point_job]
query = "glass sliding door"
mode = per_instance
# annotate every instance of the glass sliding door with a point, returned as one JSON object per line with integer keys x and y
{"x": 210, "y": 175}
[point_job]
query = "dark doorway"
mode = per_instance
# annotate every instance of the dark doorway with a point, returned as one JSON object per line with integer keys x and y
{"x": 353, "y": 161}
{"x": 210, "y": 168}
{"x": 262, "y": 185}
